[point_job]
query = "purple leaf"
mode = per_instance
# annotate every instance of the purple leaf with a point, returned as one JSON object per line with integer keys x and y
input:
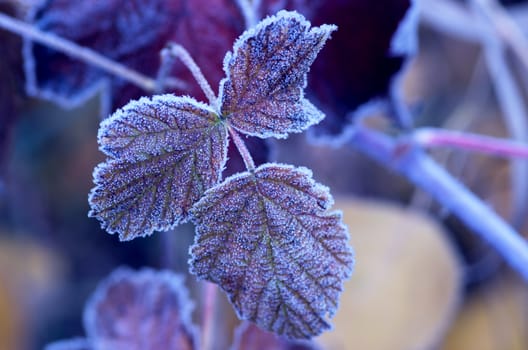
{"x": 250, "y": 337}
{"x": 143, "y": 310}
{"x": 130, "y": 32}
{"x": 267, "y": 238}
{"x": 164, "y": 153}
{"x": 266, "y": 74}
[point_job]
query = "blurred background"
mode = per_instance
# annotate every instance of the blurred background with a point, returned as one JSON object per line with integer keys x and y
{"x": 422, "y": 280}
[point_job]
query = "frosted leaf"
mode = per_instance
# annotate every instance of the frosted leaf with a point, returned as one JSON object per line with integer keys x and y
{"x": 266, "y": 75}
{"x": 249, "y": 336}
{"x": 268, "y": 240}
{"x": 145, "y": 310}
{"x": 129, "y": 32}
{"x": 164, "y": 153}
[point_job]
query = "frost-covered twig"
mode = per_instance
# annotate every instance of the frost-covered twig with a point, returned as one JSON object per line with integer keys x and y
{"x": 432, "y": 137}
{"x": 242, "y": 149}
{"x": 180, "y": 52}
{"x": 489, "y": 25}
{"x": 451, "y": 18}
{"x": 249, "y": 12}
{"x": 209, "y": 301}
{"x": 79, "y": 52}
{"x": 510, "y": 101}
{"x": 415, "y": 165}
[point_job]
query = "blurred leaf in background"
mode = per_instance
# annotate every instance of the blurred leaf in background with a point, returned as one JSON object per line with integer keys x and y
{"x": 406, "y": 286}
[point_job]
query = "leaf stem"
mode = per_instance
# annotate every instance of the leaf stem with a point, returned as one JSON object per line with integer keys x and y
{"x": 180, "y": 52}
{"x": 249, "y": 12}
{"x": 209, "y": 302}
{"x": 432, "y": 137}
{"x": 242, "y": 149}
{"x": 426, "y": 174}
{"x": 79, "y": 52}
{"x": 163, "y": 78}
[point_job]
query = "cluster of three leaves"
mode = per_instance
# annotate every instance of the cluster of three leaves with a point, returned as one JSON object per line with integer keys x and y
{"x": 264, "y": 235}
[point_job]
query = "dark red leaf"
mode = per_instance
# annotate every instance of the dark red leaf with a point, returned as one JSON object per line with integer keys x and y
{"x": 357, "y": 65}
{"x": 132, "y": 33}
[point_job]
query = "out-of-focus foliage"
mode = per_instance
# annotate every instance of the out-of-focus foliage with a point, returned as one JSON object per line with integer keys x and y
{"x": 494, "y": 318}
{"x": 143, "y": 310}
{"x": 407, "y": 283}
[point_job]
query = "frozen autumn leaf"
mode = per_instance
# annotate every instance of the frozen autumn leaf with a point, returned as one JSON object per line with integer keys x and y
{"x": 267, "y": 239}
{"x": 137, "y": 310}
{"x": 164, "y": 153}
{"x": 131, "y": 33}
{"x": 262, "y": 94}
{"x": 249, "y": 336}
{"x": 145, "y": 310}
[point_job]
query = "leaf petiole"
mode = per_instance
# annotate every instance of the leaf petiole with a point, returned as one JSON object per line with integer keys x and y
{"x": 178, "y": 51}
{"x": 242, "y": 149}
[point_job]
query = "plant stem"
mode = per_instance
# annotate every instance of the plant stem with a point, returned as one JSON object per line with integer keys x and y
{"x": 510, "y": 100}
{"x": 209, "y": 298}
{"x": 242, "y": 149}
{"x": 249, "y": 12}
{"x": 167, "y": 61}
{"x": 76, "y": 51}
{"x": 415, "y": 165}
{"x": 180, "y": 52}
{"x": 432, "y": 137}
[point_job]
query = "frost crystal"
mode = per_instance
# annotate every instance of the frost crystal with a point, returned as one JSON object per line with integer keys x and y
{"x": 267, "y": 239}
{"x": 266, "y": 75}
{"x": 164, "y": 153}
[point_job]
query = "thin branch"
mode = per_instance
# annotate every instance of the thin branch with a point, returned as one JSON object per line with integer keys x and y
{"x": 76, "y": 51}
{"x": 249, "y": 12}
{"x": 451, "y": 18}
{"x": 491, "y": 31}
{"x": 180, "y": 52}
{"x": 242, "y": 149}
{"x": 511, "y": 103}
{"x": 456, "y": 20}
{"x": 166, "y": 63}
{"x": 209, "y": 302}
{"x": 415, "y": 165}
{"x": 432, "y": 137}
{"x": 506, "y": 27}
